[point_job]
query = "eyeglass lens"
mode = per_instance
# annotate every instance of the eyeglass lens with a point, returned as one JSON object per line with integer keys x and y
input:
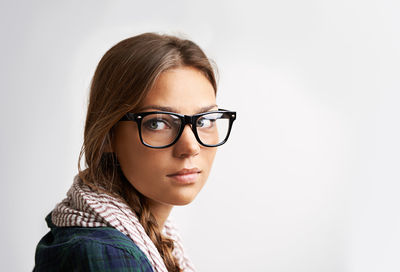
{"x": 161, "y": 129}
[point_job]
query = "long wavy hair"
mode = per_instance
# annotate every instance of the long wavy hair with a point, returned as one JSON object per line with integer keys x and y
{"x": 123, "y": 77}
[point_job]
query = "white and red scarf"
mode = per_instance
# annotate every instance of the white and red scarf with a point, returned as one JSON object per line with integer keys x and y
{"x": 84, "y": 207}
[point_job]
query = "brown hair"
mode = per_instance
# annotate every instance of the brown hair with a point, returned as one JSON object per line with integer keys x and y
{"x": 122, "y": 79}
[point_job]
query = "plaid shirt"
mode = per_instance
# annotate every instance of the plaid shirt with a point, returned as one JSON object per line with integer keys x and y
{"x": 88, "y": 249}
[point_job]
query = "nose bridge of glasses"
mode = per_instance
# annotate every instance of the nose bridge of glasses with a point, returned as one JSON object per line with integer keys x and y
{"x": 188, "y": 120}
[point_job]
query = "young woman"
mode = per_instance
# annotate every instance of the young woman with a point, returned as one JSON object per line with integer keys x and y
{"x": 150, "y": 138}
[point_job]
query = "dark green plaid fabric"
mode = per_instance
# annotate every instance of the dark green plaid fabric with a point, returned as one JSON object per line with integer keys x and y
{"x": 88, "y": 249}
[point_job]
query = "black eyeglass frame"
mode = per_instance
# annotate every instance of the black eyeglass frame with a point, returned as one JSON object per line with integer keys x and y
{"x": 185, "y": 120}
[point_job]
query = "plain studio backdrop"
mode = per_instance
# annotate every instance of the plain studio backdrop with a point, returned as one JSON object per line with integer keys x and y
{"x": 309, "y": 180}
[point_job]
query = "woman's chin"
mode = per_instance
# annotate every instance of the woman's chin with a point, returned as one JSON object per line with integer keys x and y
{"x": 182, "y": 199}
{"x": 182, "y": 202}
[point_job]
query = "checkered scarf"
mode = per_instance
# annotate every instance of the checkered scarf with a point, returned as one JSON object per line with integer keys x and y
{"x": 84, "y": 207}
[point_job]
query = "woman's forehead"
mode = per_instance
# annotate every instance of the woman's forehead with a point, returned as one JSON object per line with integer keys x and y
{"x": 181, "y": 89}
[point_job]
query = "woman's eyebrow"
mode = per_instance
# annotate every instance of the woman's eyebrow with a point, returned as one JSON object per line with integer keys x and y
{"x": 207, "y": 108}
{"x": 171, "y": 109}
{"x": 157, "y": 107}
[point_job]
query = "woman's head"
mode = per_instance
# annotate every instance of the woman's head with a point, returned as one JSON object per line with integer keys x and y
{"x": 122, "y": 81}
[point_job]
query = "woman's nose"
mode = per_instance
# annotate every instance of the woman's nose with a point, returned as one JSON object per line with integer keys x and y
{"x": 187, "y": 144}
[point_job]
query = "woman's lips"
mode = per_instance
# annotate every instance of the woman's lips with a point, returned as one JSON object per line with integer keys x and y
{"x": 185, "y": 176}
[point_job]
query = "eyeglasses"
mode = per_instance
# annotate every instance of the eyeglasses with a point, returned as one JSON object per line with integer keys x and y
{"x": 161, "y": 129}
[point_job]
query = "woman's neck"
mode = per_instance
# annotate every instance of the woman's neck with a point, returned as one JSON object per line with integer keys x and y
{"x": 160, "y": 211}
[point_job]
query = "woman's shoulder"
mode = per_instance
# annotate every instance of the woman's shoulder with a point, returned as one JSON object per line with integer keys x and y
{"x": 88, "y": 249}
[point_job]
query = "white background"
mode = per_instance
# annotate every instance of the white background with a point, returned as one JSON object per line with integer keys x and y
{"x": 309, "y": 180}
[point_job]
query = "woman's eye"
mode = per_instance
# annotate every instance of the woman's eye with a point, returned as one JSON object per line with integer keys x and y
{"x": 156, "y": 124}
{"x": 205, "y": 123}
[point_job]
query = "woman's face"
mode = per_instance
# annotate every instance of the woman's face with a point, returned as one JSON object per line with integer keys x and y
{"x": 172, "y": 175}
